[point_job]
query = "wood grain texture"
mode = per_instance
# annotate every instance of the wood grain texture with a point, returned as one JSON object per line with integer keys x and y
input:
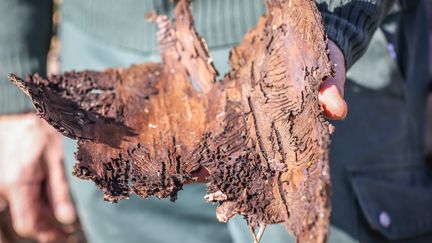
{"x": 259, "y": 131}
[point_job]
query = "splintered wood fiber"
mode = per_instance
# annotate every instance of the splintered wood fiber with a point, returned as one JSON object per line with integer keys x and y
{"x": 259, "y": 132}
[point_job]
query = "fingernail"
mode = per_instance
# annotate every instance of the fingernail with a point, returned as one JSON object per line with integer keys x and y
{"x": 65, "y": 214}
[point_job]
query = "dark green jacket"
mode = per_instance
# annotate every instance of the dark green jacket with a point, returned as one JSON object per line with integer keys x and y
{"x": 381, "y": 183}
{"x": 25, "y": 31}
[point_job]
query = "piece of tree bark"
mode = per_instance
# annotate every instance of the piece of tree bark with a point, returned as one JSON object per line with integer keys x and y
{"x": 259, "y": 132}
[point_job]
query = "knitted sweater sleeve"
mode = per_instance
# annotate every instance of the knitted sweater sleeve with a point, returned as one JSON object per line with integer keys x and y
{"x": 24, "y": 44}
{"x": 351, "y": 24}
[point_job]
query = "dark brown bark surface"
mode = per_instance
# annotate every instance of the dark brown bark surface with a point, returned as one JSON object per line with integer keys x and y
{"x": 259, "y": 132}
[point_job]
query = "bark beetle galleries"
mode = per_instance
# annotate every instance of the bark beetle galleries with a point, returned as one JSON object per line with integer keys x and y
{"x": 259, "y": 131}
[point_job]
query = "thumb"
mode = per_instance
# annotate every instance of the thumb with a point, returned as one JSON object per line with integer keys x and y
{"x": 332, "y": 89}
{"x": 332, "y": 102}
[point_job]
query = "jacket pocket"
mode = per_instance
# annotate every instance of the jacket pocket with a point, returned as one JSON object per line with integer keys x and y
{"x": 396, "y": 199}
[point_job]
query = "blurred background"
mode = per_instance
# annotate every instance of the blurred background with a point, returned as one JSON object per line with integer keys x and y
{"x": 7, "y": 234}
{"x": 429, "y": 131}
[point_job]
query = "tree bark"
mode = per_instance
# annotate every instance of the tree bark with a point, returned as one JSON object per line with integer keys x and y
{"x": 259, "y": 132}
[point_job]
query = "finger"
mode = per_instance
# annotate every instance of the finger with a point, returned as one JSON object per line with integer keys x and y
{"x": 332, "y": 89}
{"x": 50, "y": 235}
{"x": 58, "y": 189}
{"x": 338, "y": 60}
{"x": 332, "y": 102}
{"x": 338, "y": 81}
{"x": 28, "y": 215}
{"x": 24, "y": 205}
{"x": 3, "y": 204}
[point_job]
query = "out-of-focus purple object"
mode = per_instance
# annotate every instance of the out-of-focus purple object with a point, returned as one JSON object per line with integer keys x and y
{"x": 392, "y": 50}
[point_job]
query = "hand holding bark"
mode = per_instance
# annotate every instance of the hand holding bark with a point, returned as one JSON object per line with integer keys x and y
{"x": 259, "y": 132}
{"x": 332, "y": 89}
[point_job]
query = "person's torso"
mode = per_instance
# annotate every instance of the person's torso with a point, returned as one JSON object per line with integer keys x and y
{"x": 381, "y": 182}
{"x": 377, "y": 152}
{"x": 124, "y": 23}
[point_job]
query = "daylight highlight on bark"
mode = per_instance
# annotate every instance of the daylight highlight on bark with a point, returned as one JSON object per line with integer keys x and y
{"x": 259, "y": 132}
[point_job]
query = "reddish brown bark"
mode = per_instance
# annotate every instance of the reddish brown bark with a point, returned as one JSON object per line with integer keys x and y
{"x": 259, "y": 132}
